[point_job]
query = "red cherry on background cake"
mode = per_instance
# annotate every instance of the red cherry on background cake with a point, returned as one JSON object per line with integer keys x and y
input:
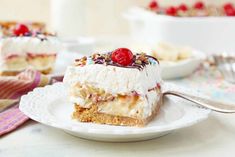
{"x": 122, "y": 56}
{"x": 199, "y": 5}
{"x": 228, "y": 6}
{"x": 20, "y": 29}
{"x": 153, "y": 5}
{"x": 183, "y": 7}
{"x": 172, "y": 11}
{"x": 230, "y": 12}
{"x": 229, "y": 9}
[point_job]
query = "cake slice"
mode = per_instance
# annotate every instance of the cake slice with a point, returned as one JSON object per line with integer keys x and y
{"x": 116, "y": 88}
{"x": 26, "y": 49}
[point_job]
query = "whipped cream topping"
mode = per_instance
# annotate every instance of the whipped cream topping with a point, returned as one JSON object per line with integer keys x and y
{"x": 24, "y": 44}
{"x": 114, "y": 80}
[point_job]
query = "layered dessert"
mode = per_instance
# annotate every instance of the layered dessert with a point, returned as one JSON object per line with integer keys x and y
{"x": 27, "y": 49}
{"x": 116, "y": 88}
{"x": 198, "y": 9}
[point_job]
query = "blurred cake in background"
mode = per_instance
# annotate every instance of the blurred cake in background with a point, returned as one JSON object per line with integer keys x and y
{"x": 7, "y": 27}
{"x": 199, "y": 8}
{"x": 24, "y": 47}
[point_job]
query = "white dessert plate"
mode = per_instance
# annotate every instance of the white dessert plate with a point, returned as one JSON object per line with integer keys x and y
{"x": 183, "y": 68}
{"x": 50, "y": 106}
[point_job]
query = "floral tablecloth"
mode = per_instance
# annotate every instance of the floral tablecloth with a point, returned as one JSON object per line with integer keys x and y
{"x": 209, "y": 81}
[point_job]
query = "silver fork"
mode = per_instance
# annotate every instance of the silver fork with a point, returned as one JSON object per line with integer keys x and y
{"x": 226, "y": 65}
{"x": 207, "y": 103}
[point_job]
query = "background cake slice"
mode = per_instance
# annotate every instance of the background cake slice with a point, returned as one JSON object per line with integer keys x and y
{"x": 26, "y": 49}
{"x": 116, "y": 88}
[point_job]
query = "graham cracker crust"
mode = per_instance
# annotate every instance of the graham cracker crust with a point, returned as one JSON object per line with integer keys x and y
{"x": 92, "y": 115}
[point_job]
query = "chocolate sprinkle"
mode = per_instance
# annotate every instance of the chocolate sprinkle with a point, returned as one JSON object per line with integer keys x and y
{"x": 140, "y": 60}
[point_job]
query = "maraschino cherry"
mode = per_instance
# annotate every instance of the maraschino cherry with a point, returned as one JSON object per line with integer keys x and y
{"x": 199, "y": 5}
{"x": 122, "y": 56}
{"x": 153, "y": 5}
{"x": 172, "y": 11}
{"x": 183, "y": 7}
{"x": 20, "y": 29}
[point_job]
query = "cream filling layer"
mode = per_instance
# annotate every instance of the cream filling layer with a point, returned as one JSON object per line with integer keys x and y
{"x": 141, "y": 108}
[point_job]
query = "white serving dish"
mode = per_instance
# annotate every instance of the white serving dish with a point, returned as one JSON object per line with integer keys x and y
{"x": 209, "y": 34}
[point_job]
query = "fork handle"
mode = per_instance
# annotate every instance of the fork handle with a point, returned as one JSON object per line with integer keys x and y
{"x": 210, "y": 104}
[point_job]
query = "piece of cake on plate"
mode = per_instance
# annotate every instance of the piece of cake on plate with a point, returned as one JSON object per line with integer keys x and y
{"x": 116, "y": 88}
{"x": 26, "y": 49}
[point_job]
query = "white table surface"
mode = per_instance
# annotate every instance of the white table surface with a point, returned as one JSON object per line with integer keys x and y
{"x": 212, "y": 137}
